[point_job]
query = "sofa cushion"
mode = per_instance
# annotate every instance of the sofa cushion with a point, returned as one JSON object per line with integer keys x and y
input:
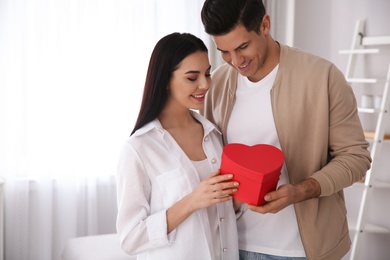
{"x": 99, "y": 247}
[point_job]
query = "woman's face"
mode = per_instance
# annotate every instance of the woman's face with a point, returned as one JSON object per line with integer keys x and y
{"x": 190, "y": 81}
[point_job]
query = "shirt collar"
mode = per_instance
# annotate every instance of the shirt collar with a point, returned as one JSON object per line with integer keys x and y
{"x": 208, "y": 127}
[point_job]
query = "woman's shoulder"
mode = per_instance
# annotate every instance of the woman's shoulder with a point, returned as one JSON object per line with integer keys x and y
{"x": 208, "y": 126}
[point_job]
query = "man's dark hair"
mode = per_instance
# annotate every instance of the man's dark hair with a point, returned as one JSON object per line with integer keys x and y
{"x": 221, "y": 16}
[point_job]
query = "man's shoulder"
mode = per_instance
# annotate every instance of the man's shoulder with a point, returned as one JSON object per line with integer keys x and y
{"x": 224, "y": 78}
{"x": 222, "y": 70}
{"x": 224, "y": 75}
{"x": 300, "y": 62}
{"x": 295, "y": 55}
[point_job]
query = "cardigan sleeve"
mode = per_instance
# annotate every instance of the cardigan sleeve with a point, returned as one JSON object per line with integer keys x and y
{"x": 317, "y": 121}
{"x": 349, "y": 157}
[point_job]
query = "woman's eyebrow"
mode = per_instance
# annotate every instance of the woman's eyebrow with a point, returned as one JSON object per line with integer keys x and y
{"x": 196, "y": 71}
{"x": 192, "y": 72}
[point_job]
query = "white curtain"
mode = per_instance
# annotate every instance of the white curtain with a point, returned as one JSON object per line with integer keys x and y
{"x": 282, "y": 20}
{"x": 71, "y": 80}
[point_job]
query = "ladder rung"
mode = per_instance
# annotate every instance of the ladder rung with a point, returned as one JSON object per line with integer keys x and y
{"x": 377, "y": 184}
{"x": 362, "y": 80}
{"x": 359, "y": 51}
{"x": 367, "y": 110}
{"x": 370, "y": 228}
{"x": 381, "y": 184}
{"x": 371, "y": 135}
{"x": 376, "y": 40}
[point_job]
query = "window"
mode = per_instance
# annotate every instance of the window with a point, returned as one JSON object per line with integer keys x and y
{"x": 71, "y": 79}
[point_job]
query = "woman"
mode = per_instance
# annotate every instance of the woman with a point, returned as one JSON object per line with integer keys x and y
{"x": 172, "y": 201}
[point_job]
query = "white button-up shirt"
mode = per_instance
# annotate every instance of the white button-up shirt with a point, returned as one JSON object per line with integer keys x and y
{"x": 153, "y": 174}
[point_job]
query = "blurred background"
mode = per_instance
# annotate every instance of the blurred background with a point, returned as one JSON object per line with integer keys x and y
{"x": 71, "y": 81}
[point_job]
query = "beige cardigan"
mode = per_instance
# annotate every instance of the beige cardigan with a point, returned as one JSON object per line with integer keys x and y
{"x": 320, "y": 134}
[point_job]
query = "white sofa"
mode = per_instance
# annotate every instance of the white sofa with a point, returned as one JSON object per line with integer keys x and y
{"x": 100, "y": 247}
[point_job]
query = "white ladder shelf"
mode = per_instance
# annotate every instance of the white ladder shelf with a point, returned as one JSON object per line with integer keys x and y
{"x": 360, "y": 42}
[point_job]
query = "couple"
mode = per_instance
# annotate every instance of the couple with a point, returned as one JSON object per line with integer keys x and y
{"x": 172, "y": 201}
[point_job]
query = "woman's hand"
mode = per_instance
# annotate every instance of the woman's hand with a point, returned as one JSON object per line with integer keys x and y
{"x": 215, "y": 189}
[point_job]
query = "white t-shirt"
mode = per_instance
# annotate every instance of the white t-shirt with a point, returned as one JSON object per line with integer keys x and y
{"x": 251, "y": 123}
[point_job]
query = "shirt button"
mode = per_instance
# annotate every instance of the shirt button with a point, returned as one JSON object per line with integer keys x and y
{"x": 222, "y": 219}
{"x": 206, "y": 138}
{"x": 225, "y": 249}
{"x": 213, "y": 160}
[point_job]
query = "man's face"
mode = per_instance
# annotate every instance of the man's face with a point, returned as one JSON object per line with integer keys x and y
{"x": 246, "y": 51}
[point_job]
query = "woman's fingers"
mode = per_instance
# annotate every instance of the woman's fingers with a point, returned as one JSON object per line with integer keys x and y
{"x": 217, "y": 188}
{"x": 214, "y": 174}
{"x": 224, "y": 193}
{"x": 216, "y": 177}
{"x": 225, "y": 185}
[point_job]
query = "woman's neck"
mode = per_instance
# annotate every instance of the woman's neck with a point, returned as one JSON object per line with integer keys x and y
{"x": 175, "y": 118}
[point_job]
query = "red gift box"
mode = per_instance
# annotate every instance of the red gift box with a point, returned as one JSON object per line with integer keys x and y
{"x": 256, "y": 168}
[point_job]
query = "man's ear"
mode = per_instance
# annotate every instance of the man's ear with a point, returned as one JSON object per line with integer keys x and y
{"x": 265, "y": 25}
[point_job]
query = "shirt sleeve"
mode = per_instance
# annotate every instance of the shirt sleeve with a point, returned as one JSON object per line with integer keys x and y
{"x": 138, "y": 229}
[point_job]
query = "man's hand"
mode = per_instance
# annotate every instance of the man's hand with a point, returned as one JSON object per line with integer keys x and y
{"x": 288, "y": 194}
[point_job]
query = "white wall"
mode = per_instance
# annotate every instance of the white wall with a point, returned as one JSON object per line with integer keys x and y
{"x": 324, "y": 28}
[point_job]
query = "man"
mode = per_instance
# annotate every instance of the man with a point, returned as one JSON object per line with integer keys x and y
{"x": 274, "y": 94}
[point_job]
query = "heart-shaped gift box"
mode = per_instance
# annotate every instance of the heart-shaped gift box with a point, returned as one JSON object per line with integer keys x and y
{"x": 256, "y": 168}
